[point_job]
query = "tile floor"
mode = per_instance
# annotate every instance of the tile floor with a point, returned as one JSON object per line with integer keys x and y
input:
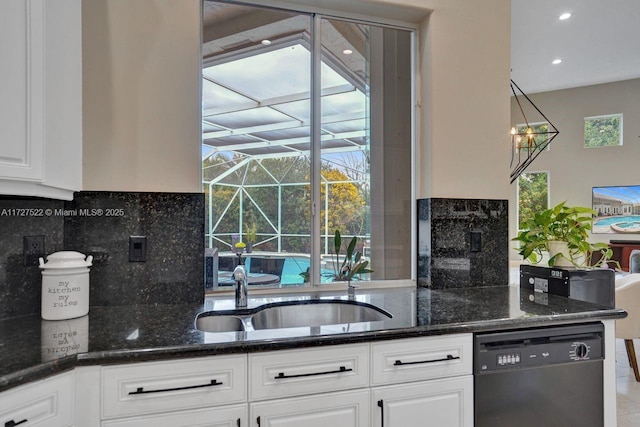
{"x": 628, "y": 389}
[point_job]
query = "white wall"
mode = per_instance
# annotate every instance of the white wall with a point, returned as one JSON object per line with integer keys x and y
{"x": 142, "y": 93}
{"x": 573, "y": 169}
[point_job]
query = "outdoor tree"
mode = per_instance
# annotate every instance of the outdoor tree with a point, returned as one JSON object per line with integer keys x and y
{"x": 280, "y": 186}
{"x": 602, "y": 131}
{"x": 532, "y": 195}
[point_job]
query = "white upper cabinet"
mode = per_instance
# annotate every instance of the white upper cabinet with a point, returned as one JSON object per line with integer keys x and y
{"x": 41, "y": 102}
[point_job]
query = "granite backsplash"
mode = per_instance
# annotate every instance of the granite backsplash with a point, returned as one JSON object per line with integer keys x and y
{"x": 100, "y": 224}
{"x": 462, "y": 243}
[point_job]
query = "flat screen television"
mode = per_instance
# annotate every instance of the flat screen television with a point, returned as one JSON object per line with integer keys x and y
{"x": 618, "y": 209}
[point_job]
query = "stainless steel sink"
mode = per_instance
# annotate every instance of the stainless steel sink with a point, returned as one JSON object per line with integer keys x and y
{"x": 219, "y": 323}
{"x": 315, "y": 313}
{"x": 292, "y": 314}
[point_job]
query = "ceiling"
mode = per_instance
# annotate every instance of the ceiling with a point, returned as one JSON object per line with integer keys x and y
{"x": 256, "y": 96}
{"x": 599, "y": 43}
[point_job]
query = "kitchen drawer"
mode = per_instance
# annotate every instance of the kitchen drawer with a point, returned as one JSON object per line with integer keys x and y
{"x": 46, "y": 403}
{"x": 227, "y": 416}
{"x": 418, "y": 359}
{"x": 342, "y": 409}
{"x": 146, "y": 388}
{"x": 312, "y": 370}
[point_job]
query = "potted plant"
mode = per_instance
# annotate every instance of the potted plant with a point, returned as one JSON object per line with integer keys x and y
{"x": 306, "y": 276}
{"x": 352, "y": 263}
{"x": 251, "y": 236}
{"x": 562, "y": 231}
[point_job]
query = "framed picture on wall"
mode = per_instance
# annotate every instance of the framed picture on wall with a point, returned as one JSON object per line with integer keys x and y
{"x": 617, "y": 208}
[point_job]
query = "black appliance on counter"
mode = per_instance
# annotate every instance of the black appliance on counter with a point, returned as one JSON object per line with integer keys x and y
{"x": 592, "y": 285}
{"x": 551, "y": 377}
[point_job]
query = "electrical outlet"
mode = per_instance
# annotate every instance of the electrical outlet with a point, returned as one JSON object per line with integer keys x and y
{"x": 32, "y": 249}
{"x": 137, "y": 248}
{"x": 475, "y": 239}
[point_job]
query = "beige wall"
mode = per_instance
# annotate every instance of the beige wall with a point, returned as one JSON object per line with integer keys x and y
{"x": 139, "y": 137}
{"x": 141, "y": 95}
{"x": 573, "y": 169}
{"x": 464, "y": 69}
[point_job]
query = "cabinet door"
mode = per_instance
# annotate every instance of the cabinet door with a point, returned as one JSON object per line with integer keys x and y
{"x": 21, "y": 103}
{"x": 232, "y": 416}
{"x": 40, "y": 98}
{"x": 437, "y": 403}
{"x": 344, "y": 409}
{"x": 46, "y": 403}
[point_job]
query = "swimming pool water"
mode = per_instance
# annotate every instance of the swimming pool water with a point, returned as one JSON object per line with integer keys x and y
{"x": 616, "y": 219}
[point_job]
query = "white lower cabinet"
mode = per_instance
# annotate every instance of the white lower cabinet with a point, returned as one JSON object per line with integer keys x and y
{"x": 421, "y": 382}
{"x": 226, "y": 416}
{"x": 339, "y": 409}
{"x": 438, "y": 403}
{"x": 46, "y": 403}
{"x": 333, "y": 382}
{"x": 209, "y": 391}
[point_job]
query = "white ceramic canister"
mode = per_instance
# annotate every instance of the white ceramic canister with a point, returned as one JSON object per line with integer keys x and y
{"x": 65, "y": 285}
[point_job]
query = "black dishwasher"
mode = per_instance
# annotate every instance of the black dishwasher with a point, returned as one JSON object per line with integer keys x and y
{"x": 540, "y": 377}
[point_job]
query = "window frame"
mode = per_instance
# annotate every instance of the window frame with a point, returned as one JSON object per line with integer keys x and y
{"x": 316, "y": 179}
{"x": 604, "y": 116}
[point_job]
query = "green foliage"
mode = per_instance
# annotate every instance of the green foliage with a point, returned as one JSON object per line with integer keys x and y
{"x": 306, "y": 276}
{"x": 561, "y": 223}
{"x": 347, "y": 202}
{"x": 352, "y": 264}
{"x": 252, "y": 233}
{"x": 602, "y": 131}
{"x": 532, "y": 194}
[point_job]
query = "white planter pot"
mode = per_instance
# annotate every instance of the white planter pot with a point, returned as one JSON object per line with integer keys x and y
{"x": 561, "y": 248}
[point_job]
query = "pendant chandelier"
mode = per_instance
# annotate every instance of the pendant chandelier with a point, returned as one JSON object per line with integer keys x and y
{"x": 527, "y": 143}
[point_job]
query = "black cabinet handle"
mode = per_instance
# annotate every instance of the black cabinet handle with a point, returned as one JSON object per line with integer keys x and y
{"x": 12, "y": 423}
{"x": 258, "y": 421}
{"x": 141, "y": 390}
{"x": 449, "y": 357}
{"x": 381, "y": 405}
{"x": 238, "y": 422}
{"x": 281, "y": 375}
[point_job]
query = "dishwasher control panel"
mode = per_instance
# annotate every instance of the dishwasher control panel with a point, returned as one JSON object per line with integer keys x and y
{"x": 523, "y": 348}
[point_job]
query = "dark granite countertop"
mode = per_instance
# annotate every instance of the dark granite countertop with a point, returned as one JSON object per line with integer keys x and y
{"x": 31, "y": 348}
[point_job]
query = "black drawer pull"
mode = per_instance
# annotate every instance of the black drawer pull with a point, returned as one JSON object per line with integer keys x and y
{"x": 141, "y": 390}
{"x": 281, "y": 375}
{"x": 449, "y": 357}
{"x": 12, "y": 423}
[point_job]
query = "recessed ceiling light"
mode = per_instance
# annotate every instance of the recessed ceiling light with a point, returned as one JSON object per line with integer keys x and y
{"x": 564, "y": 16}
{"x": 266, "y": 42}
{"x": 347, "y": 51}
{"x": 556, "y": 61}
